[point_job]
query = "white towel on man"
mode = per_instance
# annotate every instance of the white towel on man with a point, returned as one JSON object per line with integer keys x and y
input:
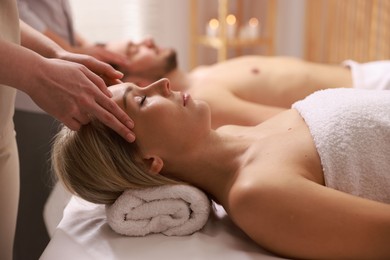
{"x": 351, "y": 131}
{"x": 173, "y": 210}
{"x": 374, "y": 75}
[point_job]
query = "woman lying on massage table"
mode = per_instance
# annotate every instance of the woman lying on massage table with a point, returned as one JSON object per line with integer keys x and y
{"x": 312, "y": 182}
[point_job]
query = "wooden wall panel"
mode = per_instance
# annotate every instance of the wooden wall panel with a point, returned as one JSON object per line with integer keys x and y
{"x": 347, "y": 29}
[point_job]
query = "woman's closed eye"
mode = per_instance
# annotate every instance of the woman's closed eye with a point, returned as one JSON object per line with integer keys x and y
{"x": 140, "y": 100}
{"x": 143, "y": 100}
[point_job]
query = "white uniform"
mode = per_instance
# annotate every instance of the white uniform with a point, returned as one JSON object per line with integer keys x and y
{"x": 53, "y": 15}
{"x": 9, "y": 162}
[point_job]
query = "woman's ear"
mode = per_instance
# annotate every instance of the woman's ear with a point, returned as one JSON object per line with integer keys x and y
{"x": 154, "y": 164}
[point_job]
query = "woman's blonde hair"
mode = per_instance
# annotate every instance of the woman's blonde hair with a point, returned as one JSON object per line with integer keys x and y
{"x": 97, "y": 164}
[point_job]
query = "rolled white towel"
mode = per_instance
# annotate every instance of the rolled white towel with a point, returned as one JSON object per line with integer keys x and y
{"x": 174, "y": 210}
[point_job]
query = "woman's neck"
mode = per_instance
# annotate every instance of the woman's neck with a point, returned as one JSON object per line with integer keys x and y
{"x": 213, "y": 164}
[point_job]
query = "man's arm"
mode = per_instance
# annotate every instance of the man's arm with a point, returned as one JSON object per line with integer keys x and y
{"x": 228, "y": 109}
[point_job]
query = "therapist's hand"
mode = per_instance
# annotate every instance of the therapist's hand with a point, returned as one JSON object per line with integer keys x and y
{"x": 102, "y": 54}
{"x": 73, "y": 91}
{"x": 104, "y": 70}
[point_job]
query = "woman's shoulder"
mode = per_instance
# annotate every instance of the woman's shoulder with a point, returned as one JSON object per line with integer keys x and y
{"x": 242, "y": 200}
{"x": 261, "y": 186}
{"x": 249, "y": 189}
{"x": 252, "y": 202}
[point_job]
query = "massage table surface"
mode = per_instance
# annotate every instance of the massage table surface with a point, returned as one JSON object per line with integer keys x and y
{"x": 83, "y": 233}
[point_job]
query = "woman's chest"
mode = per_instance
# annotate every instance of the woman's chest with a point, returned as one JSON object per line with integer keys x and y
{"x": 285, "y": 146}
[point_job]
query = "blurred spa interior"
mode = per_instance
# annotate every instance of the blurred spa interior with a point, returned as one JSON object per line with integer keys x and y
{"x": 202, "y": 32}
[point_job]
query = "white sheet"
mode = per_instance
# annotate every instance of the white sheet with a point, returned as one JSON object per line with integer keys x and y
{"x": 84, "y": 234}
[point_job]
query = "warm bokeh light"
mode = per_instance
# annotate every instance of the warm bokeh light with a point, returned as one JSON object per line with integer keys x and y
{"x": 253, "y": 22}
{"x": 231, "y": 19}
{"x": 214, "y": 23}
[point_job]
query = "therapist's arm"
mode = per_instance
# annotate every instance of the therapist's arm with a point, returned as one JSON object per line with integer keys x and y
{"x": 84, "y": 47}
{"x": 64, "y": 84}
{"x": 81, "y": 46}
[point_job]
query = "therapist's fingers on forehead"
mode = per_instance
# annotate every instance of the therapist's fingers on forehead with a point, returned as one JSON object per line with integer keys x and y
{"x": 100, "y": 71}
{"x": 111, "y": 106}
{"x": 109, "y": 82}
{"x": 117, "y": 126}
{"x": 96, "y": 72}
{"x": 110, "y": 114}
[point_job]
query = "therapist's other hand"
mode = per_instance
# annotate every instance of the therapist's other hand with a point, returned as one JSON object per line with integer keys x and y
{"x": 104, "y": 70}
{"x": 73, "y": 93}
{"x": 102, "y": 54}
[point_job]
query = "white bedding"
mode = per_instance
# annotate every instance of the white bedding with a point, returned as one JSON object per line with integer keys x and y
{"x": 84, "y": 234}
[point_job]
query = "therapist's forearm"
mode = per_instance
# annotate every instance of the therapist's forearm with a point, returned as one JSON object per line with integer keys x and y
{"x": 17, "y": 64}
{"x": 39, "y": 43}
{"x": 80, "y": 42}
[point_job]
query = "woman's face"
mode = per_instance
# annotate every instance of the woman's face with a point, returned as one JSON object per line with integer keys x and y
{"x": 164, "y": 120}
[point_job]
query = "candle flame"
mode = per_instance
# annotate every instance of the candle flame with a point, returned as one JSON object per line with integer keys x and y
{"x": 214, "y": 23}
{"x": 253, "y": 22}
{"x": 231, "y": 19}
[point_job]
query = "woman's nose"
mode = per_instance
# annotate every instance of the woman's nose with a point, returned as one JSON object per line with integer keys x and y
{"x": 162, "y": 86}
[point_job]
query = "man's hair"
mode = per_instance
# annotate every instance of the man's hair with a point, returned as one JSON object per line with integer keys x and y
{"x": 97, "y": 164}
{"x": 171, "y": 62}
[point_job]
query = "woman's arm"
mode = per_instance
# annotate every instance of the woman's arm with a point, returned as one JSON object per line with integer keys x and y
{"x": 298, "y": 218}
{"x": 67, "y": 90}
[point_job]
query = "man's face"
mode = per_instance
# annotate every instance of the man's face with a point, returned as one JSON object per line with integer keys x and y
{"x": 149, "y": 60}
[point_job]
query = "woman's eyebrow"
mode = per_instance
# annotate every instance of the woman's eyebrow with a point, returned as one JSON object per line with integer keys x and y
{"x": 124, "y": 97}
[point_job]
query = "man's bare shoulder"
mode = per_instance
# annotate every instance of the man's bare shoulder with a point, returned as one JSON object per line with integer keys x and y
{"x": 263, "y": 60}
{"x": 200, "y": 70}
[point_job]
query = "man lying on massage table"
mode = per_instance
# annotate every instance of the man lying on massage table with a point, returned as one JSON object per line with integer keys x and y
{"x": 242, "y": 87}
{"x": 311, "y": 182}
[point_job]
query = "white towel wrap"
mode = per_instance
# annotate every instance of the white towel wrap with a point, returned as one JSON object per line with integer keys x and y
{"x": 173, "y": 210}
{"x": 351, "y": 131}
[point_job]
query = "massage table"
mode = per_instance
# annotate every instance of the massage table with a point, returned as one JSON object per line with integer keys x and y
{"x": 83, "y": 233}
